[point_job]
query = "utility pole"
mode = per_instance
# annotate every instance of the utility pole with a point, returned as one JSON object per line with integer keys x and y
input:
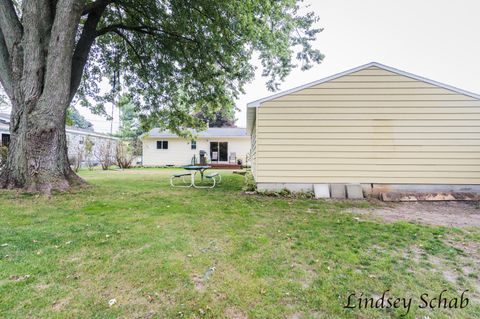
{"x": 111, "y": 123}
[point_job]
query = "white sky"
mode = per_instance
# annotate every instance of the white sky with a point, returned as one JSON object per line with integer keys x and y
{"x": 437, "y": 39}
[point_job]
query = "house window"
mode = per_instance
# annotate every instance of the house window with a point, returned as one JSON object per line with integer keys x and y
{"x": 162, "y": 145}
{"x": 193, "y": 145}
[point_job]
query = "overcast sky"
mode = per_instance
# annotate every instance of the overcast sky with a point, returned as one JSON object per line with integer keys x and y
{"x": 437, "y": 39}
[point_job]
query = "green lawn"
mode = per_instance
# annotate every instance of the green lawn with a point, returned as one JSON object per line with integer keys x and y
{"x": 132, "y": 238}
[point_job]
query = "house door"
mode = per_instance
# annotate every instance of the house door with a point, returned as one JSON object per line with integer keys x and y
{"x": 219, "y": 151}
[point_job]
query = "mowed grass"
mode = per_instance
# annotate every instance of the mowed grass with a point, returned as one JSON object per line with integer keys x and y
{"x": 187, "y": 253}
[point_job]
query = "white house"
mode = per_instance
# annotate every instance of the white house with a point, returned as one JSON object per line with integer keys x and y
{"x": 221, "y": 146}
{"x": 4, "y": 129}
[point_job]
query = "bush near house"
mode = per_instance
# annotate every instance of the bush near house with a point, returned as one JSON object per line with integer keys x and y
{"x": 124, "y": 154}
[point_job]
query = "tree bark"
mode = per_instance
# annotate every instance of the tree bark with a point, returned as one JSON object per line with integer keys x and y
{"x": 40, "y": 68}
{"x": 37, "y": 157}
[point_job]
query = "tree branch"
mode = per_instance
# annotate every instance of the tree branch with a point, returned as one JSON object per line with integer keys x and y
{"x": 10, "y": 24}
{"x": 139, "y": 57}
{"x": 84, "y": 44}
{"x": 97, "y": 5}
{"x": 142, "y": 29}
{"x": 5, "y": 71}
{"x": 60, "y": 52}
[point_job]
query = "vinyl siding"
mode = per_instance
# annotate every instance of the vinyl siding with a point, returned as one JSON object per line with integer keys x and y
{"x": 76, "y": 143}
{"x": 4, "y": 128}
{"x": 372, "y": 126}
{"x": 179, "y": 150}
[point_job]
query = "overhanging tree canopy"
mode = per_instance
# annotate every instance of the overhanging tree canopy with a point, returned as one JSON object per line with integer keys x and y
{"x": 175, "y": 58}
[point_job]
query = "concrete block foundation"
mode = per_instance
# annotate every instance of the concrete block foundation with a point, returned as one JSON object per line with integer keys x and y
{"x": 373, "y": 190}
{"x": 354, "y": 191}
{"x": 321, "y": 190}
{"x": 338, "y": 191}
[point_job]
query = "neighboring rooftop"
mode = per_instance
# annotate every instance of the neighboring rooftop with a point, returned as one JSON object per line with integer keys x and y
{"x": 210, "y": 132}
{"x": 76, "y": 130}
{"x": 5, "y": 119}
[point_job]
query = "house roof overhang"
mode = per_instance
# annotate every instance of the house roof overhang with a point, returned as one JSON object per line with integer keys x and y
{"x": 251, "y": 107}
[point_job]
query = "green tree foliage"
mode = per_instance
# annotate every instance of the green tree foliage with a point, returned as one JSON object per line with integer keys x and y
{"x": 176, "y": 59}
{"x": 224, "y": 118}
{"x": 75, "y": 119}
{"x": 129, "y": 121}
{"x": 4, "y": 104}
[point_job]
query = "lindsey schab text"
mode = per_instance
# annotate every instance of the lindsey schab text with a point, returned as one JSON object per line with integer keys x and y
{"x": 425, "y": 300}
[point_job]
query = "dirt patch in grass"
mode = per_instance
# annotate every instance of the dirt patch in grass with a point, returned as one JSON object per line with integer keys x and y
{"x": 296, "y": 315}
{"x": 306, "y": 274}
{"x": 234, "y": 313}
{"x": 450, "y": 214}
{"x": 60, "y": 304}
{"x": 469, "y": 262}
{"x": 414, "y": 253}
{"x": 461, "y": 272}
{"x": 198, "y": 283}
{"x": 42, "y": 286}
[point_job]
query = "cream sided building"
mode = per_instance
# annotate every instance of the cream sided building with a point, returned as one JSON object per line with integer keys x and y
{"x": 76, "y": 137}
{"x": 373, "y": 125}
{"x": 222, "y": 146}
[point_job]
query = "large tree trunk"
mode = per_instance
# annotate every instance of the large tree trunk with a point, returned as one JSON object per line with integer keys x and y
{"x": 37, "y": 159}
{"x": 39, "y": 86}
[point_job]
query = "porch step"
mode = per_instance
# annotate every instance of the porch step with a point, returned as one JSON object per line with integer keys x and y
{"x": 225, "y": 166}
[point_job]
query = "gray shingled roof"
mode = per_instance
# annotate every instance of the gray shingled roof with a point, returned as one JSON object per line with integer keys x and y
{"x": 210, "y": 132}
{"x": 5, "y": 119}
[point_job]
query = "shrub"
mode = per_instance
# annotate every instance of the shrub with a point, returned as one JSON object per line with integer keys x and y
{"x": 76, "y": 158}
{"x": 104, "y": 154}
{"x": 250, "y": 185}
{"x": 88, "y": 152}
{"x": 285, "y": 193}
{"x": 124, "y": 154}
